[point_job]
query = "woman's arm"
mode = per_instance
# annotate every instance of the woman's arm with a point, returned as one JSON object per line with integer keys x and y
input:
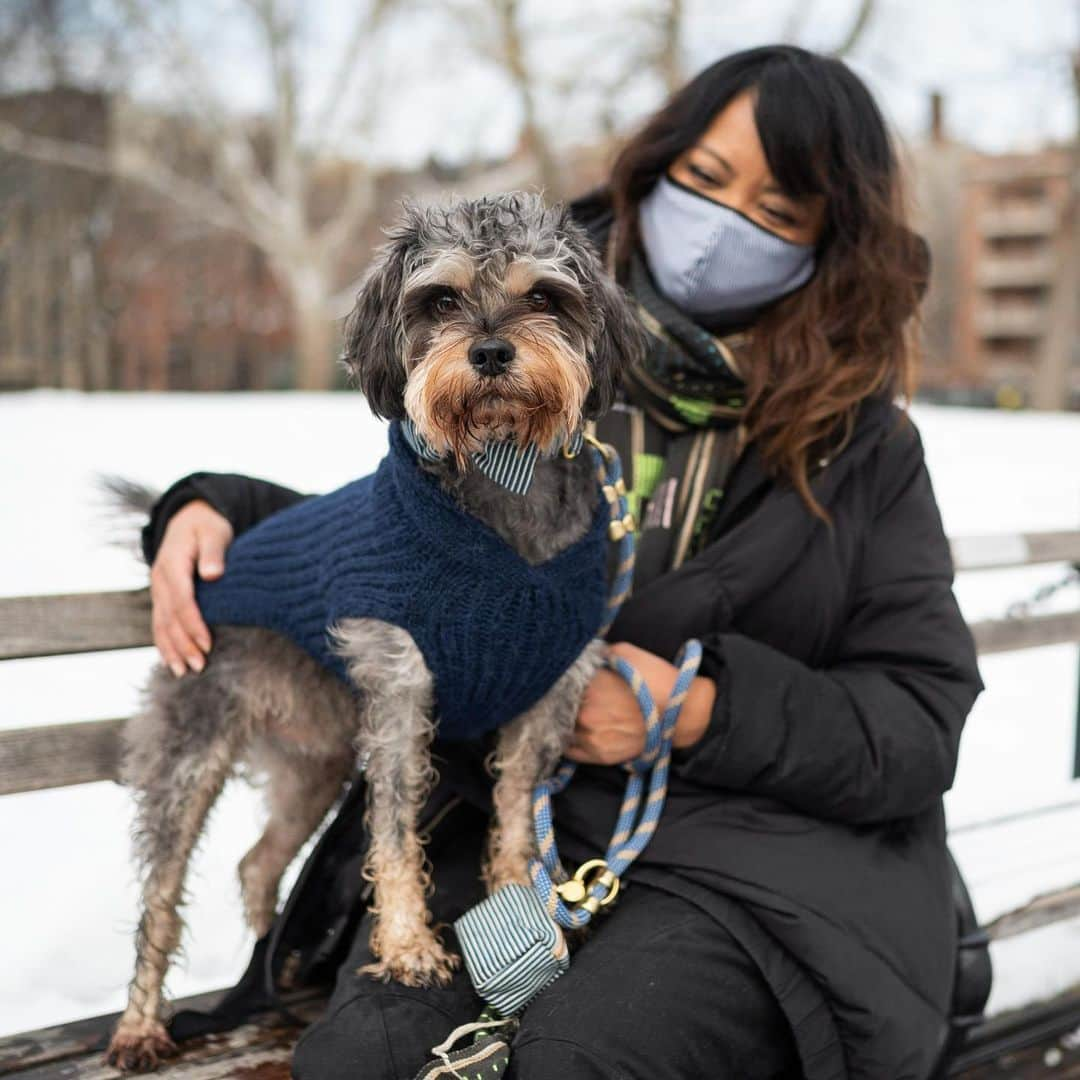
{"x": 190, "y": 527}
{"x": 242, "y": 501}
{"x": 873, "y": 737}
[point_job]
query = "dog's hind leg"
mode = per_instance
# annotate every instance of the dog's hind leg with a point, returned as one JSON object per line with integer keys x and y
{"x": 395, "y": 734}
{"x": 300, "y": 788}
{"x": 179, "y": 751}
{"x": 528, "y": 750}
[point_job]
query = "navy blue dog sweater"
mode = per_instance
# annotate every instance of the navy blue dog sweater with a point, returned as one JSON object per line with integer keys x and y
{"x": 495, "y": 631}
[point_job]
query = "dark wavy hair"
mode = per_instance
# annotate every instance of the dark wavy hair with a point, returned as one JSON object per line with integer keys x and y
{"x": 847, "y": 334}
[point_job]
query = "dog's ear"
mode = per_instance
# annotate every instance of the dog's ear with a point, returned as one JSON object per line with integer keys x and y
{"x": 374, "y": 349}
{"x": 618, "y": 338}
{"x": 618, "y": 342}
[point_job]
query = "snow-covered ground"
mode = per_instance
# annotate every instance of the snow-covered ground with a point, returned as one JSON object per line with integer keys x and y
{"x": 68, "y": 907}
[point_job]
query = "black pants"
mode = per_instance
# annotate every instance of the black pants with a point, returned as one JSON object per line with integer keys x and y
{"x": 659, "y": 990}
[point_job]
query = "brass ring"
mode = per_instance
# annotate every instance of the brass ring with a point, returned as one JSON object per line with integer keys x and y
{"x": 577, "y": 890}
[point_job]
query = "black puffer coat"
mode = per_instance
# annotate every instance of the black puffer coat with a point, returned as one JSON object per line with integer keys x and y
{"x": 809, "y": 817}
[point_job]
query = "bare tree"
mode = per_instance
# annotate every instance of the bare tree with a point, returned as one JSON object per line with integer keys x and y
{"x": 494, "y": 30}
{"x": 669, "y": 51}
{"x": 60, "y": 43}
{"x": 262, "y": 179}
{"x": 799, "y": 15}
{"x": 647, "y": 39}
{"x": 863, "y": 14}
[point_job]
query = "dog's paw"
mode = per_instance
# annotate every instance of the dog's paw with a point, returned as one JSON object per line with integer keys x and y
{"x": 418, "y": 964}
{"x": 139, "y": 1046}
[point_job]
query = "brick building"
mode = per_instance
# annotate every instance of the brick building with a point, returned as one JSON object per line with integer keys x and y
{"x": 106, "y": 287}
{"x": 1000, "y": 323}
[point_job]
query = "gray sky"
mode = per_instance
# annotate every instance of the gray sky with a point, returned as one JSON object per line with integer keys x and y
{"x": 1002, "y": 65}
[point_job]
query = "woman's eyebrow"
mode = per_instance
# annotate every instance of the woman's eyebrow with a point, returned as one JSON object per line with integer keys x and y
{"x": 770, "y": 188}
{"x": 717, "y": 155}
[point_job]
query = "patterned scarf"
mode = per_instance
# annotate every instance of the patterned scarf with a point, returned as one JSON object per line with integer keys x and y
{"x": 689, "y": 379}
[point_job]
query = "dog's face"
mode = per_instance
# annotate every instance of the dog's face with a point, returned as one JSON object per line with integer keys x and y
{"x": 487, "y": 319}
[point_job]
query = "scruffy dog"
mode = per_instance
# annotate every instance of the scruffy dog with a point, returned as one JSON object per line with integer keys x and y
{"x": 482, "y": 325}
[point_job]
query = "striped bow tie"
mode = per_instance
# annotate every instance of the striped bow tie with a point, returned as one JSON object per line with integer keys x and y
{"x": 502, "y": 460}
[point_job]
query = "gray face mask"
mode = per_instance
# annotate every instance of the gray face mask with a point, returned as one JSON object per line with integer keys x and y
{"x": 711, "y": 261}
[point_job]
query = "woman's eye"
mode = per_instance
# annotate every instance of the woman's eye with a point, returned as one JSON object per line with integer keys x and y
{"x": 538, "y": 300}
{"x": 779, "y": 216}
{"x": 444, "y": 303}
{"x": 701, "y": 175}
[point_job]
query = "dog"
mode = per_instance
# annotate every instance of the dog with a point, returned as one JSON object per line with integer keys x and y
{"x": 483, "y": 324}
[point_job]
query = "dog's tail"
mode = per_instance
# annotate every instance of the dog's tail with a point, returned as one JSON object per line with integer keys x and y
{"x": 127, "y": 507}
{"x": 126, "y": 496}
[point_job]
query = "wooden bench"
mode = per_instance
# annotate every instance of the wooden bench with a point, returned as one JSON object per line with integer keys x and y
{"x": 59, "y": 755}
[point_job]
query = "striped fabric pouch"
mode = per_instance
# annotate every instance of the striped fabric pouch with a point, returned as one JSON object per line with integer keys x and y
{"x": 512, "y": 948}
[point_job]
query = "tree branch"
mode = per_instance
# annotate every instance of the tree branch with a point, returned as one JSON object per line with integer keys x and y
{"x": 250, "y": 190}
{"x": 202, "y": 202}
{"x": 862, "y": 19}
{"x": 668, "y": 54}
{"x": 279, "y": 35}
{"x": 367, "y": 21}
{"x": 357, "y": 203}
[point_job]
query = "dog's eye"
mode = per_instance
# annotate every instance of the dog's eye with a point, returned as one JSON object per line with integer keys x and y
{"x": 443, "y": 303}
{"x": 538, "y": 300}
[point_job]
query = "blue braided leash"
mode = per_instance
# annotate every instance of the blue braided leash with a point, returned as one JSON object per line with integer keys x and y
{"x": 572, "y": 902}
{"x": 506, "y": 952}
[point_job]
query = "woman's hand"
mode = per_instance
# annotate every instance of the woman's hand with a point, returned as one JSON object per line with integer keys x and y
{"x": 197, "y": 535}
{"x": 610, "y": 728}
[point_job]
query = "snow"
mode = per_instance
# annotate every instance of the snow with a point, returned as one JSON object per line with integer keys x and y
{"x": 70, "y": 904}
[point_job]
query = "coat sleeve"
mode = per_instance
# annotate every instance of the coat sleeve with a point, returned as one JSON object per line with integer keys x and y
{"x": 242, "y": 500}
{"x": 874, "y": 736}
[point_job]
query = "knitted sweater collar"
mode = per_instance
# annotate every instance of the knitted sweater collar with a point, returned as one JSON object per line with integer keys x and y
{"x": 503, "y": 460}
{"x": 436, "y": 514}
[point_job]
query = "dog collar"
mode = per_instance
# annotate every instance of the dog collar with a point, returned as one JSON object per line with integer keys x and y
{"x": 501, "y": 460}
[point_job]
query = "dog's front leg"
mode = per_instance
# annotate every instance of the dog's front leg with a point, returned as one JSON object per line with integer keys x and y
{"x": 529, "y": 749}
{"x": 394, "y": 734}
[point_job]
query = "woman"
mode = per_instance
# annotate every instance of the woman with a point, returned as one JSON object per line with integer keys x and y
{"x": 792, "y": 916}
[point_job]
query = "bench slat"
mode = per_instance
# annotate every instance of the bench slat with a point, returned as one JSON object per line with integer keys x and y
{"x": 76, "y": 1050}
{"x": 999, "y": 550}
{"x": 1032, "y": 631}
{"x": 59, "y": 755}
{"x": 73, "y": 623}
{"x": 62, "y": 1041}
{"x": 1041, "y": 911}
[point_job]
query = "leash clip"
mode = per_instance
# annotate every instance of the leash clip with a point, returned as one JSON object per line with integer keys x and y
{"x": 607, "y": 451}
{"x": 586, "y": 877}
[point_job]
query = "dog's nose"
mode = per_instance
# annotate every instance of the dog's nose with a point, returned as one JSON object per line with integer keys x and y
{"x": 491, "y": 356}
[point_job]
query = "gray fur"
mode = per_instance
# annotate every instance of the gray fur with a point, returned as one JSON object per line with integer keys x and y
{"x": 382, "y": 340}
{"x": 264, "y": 705}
